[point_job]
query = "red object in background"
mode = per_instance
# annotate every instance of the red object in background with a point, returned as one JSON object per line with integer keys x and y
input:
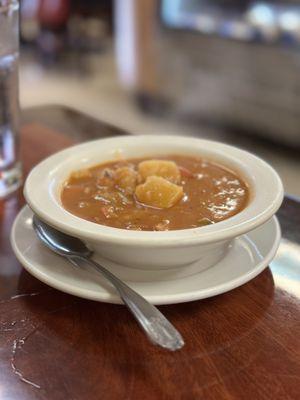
{"x": 54, "y": 13}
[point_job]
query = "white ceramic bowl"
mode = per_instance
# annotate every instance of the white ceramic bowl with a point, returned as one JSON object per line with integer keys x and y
{"x": 154, "y": 250}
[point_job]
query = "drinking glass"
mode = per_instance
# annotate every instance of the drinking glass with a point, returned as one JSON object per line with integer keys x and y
{"x": 10, "y": 168}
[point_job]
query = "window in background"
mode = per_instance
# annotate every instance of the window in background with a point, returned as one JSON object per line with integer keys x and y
{"x": 270, "y": 21}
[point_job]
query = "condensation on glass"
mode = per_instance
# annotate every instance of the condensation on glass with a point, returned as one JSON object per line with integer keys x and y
{"x": 10, "y": 168}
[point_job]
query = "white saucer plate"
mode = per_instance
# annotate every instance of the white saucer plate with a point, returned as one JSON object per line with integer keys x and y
{"x": 247, "y": 256}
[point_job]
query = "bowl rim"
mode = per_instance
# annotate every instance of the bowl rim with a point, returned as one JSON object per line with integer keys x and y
{"x": 43, "y": 203}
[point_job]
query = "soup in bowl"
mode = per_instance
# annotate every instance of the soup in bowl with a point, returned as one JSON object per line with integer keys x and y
{"x": 155, "y": 194}
{"x": 157, "y": 201}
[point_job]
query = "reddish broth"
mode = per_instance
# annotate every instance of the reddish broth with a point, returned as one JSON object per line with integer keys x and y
{"x": 212, "y": 193}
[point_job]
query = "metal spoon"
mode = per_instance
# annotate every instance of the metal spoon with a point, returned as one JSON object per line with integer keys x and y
{"x": 158, "y": 329}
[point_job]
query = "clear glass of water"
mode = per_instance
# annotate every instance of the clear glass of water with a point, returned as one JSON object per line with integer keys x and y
{"x": 10, "y": 167}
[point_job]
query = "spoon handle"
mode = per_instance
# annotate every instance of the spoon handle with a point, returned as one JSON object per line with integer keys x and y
{"x": 158, "y": 329}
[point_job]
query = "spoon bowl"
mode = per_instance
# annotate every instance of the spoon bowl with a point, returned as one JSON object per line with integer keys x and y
{"x": 61, "y": 243}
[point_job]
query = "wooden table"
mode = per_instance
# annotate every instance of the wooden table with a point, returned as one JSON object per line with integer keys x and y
{"x": 241, "y": 345}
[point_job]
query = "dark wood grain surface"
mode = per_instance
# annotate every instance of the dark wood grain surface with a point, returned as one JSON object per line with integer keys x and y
{"x": 244, "y": 344}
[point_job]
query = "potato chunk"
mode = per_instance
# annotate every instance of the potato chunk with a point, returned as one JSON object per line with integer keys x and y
{"x": 81, "y": 174}
{"x": 165, "y": 169}
{"x": 126, "y": 179}
{"x": 158, "y": 192}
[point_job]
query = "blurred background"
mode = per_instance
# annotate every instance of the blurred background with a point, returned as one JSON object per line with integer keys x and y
{"x": 226, "y": 70}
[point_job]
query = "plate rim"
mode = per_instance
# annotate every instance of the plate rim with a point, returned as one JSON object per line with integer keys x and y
{"x": 159, "y": 299}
